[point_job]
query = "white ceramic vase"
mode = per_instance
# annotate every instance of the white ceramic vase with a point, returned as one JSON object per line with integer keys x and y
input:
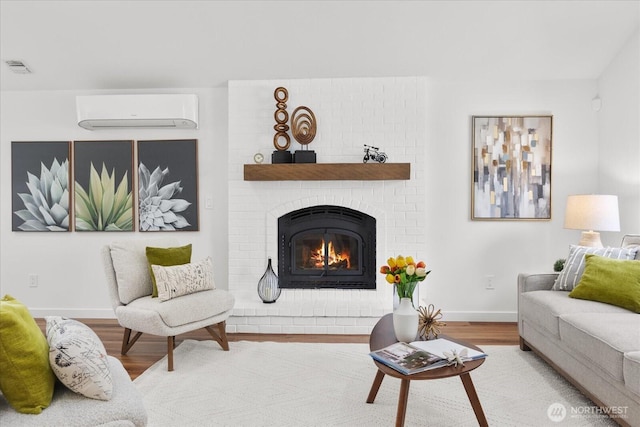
{"x": 415, "y": 298}
{"x": 405, "y": 321}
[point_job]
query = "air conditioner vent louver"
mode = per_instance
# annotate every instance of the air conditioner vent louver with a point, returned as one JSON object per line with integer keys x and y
{"x": 138, "y": 111}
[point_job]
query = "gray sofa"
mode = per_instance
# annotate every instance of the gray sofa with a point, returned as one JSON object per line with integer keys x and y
{"x": 67, "y": 409}
{"x": 595, "y": 346}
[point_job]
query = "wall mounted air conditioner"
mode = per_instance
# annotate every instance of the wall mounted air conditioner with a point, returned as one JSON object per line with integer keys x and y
{"x": 177, "y": 111}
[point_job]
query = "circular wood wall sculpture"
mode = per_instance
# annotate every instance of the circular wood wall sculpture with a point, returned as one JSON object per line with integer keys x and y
{"x": 282, "y": 117}
{"x": 303, "y": 125}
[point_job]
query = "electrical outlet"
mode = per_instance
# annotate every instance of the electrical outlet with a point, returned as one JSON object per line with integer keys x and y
{"x": 33, "y": 280}
{"x": 489, "y": 282}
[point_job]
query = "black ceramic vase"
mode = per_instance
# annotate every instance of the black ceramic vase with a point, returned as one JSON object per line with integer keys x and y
{"x": 268, "y": 289}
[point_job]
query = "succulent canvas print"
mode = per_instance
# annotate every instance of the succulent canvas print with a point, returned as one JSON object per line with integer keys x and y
{"x": 40, "y": 182}
{"x": 103, "y": 197}
{"x": 167, "y": 185}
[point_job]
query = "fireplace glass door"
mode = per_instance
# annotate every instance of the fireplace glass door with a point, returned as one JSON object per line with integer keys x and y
{"x": 326, "y": 252}
{"x": 326, "y": 247}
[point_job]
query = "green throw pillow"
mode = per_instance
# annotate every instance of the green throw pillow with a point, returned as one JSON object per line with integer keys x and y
{"x": 26, "y": 379}
{"x": 611, "y": 281}
{"x": 166, "y": 257}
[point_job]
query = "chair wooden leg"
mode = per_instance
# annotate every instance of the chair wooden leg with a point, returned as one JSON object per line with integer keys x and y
{"x": 126, "y": 342}
{"x": 171, "y": 343}
{"x": 220, "y": 336}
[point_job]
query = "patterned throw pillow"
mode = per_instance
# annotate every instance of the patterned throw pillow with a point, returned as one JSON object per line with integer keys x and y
{"x": 166, "y": 257}
{"x": 78, "y": 358}
{"x": 178, "y": 280}
{"x": 574, "y": 266}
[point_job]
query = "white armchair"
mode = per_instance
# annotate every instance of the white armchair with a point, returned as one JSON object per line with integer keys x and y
{"x": 130, "y": 289}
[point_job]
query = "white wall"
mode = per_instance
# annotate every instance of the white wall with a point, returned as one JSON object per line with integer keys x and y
{"x": 459, "y": 251}
{"x": 463, "y": 252}
{"x": 71, "y": 279}
{"x": 586, "y": 158}
{"x": 619, "y": 133}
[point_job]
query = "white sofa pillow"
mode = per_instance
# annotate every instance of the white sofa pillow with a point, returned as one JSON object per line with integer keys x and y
{"x": 177, "y": 280}
{"x": 78, "y": 358}
{"x": 574, "y": 265}
{"x": 131, "y": 267}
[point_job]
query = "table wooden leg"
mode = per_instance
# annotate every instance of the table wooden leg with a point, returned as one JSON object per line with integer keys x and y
{"x": 375, "y": 386}
{"x": 473, "y": 398}
{"x": 402, "y": 402}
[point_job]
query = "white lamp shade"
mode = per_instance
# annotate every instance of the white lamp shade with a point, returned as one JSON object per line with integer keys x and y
{"x": 592, "y": 212}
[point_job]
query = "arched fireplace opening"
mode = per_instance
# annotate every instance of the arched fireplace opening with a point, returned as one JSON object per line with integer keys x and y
{"x": 327, "y": 247}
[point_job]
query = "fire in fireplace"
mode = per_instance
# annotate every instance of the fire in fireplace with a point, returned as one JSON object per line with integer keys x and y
{"x": 326, "y": 247}
{"x": 333, "y": 251}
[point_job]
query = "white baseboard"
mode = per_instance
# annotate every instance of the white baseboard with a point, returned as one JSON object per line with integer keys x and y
{"x": 450, "y": 316}
{"x": 480, "y": 316}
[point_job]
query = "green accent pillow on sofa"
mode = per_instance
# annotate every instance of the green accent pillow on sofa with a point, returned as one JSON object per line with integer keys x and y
{"x": 26, "y": 378}
{"x": 611, "y": 281}
{"x": 166, "y": 257}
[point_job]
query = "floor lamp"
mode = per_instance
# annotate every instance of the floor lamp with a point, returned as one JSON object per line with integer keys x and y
{"x": 592, "y": 212}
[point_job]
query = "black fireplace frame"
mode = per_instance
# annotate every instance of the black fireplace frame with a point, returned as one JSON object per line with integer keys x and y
{"x": 327, "y": 219}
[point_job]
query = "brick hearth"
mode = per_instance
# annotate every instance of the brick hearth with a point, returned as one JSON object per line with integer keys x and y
{"x": 313, "y": 312}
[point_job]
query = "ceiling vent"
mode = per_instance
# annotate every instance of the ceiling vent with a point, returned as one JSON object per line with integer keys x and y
{"x": 167, "y": 111}
{"x": 18, "y": 67}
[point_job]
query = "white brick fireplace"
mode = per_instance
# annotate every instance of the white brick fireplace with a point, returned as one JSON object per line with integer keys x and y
{"x": 389, "y": 113}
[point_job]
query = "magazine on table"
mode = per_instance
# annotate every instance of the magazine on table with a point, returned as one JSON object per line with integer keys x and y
{"x": 420, "y": 356}
{"x": 407, "y": 359}
{"x": 441, "y": 346}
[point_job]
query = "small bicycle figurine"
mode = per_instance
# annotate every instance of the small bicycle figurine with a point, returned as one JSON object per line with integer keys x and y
{"x": 372, "y": 153}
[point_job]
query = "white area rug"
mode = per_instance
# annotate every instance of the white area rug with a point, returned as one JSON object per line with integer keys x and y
{"x": 301, "y": 384}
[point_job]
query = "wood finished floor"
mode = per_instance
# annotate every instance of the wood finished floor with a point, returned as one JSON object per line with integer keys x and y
{"x": 149, "y": 349}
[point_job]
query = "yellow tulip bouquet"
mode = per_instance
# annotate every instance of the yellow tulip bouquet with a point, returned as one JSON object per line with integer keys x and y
{"x": 405, "y": 273}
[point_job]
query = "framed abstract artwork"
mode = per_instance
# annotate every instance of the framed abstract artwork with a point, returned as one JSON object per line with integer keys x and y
{"x": 40, "y": 195}
{"x": 168, "y": 185}
{"x": 511, "y": 170}
{"x": 103, "y": 185}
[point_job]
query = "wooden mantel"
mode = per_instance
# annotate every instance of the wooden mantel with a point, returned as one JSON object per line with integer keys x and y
{"x": 327, "y": 171}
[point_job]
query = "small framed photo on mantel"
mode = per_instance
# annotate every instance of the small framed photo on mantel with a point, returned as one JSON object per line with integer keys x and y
{"x": 511, "y": 167}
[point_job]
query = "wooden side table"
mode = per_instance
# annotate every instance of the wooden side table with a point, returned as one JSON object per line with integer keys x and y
{"x": 383, "y": 335}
